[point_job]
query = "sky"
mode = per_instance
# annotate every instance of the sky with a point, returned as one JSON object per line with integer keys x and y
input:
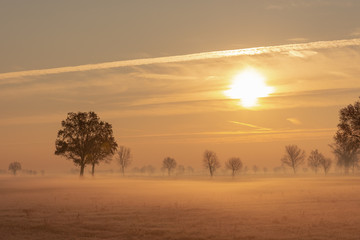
{"x": 158, "y": 71}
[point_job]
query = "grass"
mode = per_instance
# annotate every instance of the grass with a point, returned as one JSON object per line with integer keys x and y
{"x": 153, "y": 208}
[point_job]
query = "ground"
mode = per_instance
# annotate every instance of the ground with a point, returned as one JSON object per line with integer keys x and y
{"x": 179, "y": 208}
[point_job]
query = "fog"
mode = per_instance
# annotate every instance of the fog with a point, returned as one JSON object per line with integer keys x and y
{"x": 197, "y": 207}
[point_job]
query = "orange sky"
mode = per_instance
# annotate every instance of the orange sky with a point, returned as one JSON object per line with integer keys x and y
{"x": 175, "y": 105}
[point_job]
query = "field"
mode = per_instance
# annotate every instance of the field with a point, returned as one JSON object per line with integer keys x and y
{"x": 179, "y": 208}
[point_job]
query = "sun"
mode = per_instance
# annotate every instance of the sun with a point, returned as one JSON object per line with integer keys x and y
{"x": 248, "y": 86}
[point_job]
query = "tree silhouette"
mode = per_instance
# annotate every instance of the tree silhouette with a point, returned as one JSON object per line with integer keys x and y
{"x": 210, "y": 161}
{"x": 149, "y": 169}
{"x": 347, "y": 138}
{"x": 169, "y": 164}
{"x": 234, "y": 164}
{"x": 255, "y": 169}
{"x": 84, "y": 139}
{"x": 325, "y": 163}
{"x": 245, "y": 169}
{"x": 294, "y": 157}
{"x": 345, "y": 150}
{"x": 104, "y": 146}
{"x": 180, "y": 170}
{"x": 314, "y": 160}
{"x": 124, "y": 158}
{"x": 14, "y": 167}
{"x": 189, "y": 170}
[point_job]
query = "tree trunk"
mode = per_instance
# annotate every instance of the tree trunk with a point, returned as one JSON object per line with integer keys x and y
{"x": 233, "y": 173}
{"x": 168, "y": 171}
{"x": 93, "y": 169}
{"x": 123, "y": 170}
{"x": 211, "y": 172}
{"x": 82, "y": 170}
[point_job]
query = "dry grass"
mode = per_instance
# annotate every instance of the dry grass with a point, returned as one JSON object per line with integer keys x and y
{"x": 110, "y": 208}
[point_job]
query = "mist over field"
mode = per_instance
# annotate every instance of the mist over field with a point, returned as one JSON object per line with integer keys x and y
{"x": 179, "y": 208}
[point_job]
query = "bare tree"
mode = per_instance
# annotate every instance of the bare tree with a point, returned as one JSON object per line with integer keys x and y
{"x": 277, "y": 169}
{"x": 245, "y": 170}
{"x": 147, "y": 169}
{"x": 150, "y": 169}
{"x": 255, "y": 169}
{"x": 180, "y": 170}
{"x": 124, "y": 158}
{"x": 29, "y": 172}
{"x": 314, "y": 160}
{"x": 211, "y": 161}
{"x": 169, "y": 164}
{"x": 135, "y": 170}
{"x": 189, "y": 170}
{"x": 265, "y": 169}
{"x": 14, "y": 167}
{"x": 294, "y": 157}
{"x": 325, "y": 163}
{"x": 234, "y": 164}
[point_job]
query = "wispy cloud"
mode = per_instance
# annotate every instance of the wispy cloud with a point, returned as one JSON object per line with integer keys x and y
{"x": 235, "y": 136}
{"x": 302, "y": 54}
{"x": 250, "y": 125}
{"x": 186, "y": 58}
{"x": 294, "y": 121}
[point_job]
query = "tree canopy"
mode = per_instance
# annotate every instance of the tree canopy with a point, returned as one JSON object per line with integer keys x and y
{"x": 347, "y": 138}
{"x": 169, "y": 164}
{"x": 14, "y": 167}
{"x": 314, "y": 160}
{"x": 234, "y": 164}
{"x": 84, "y": 139}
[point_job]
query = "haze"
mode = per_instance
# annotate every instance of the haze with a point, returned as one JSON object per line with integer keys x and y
{"x": 175, "y": 108}
{"x": 242, "y": 79}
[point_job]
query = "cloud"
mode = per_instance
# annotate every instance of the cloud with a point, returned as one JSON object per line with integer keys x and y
{"x": 302, "y": 54}
{"x": 311, "y": 99}
{"x": 186, "y": 58}
{"x": 294, "y": 121}
{"x": 234, "y": 136}
{"x": 250, "y": 125}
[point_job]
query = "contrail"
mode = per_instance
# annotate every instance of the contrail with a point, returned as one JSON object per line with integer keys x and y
{"x": 250, "y": 125}
{"x": 185, "y": 58}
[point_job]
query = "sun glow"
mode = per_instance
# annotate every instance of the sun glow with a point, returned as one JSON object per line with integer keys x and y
{"x": 248, "y": 86}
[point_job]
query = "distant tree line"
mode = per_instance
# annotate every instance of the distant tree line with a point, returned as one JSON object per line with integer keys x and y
{"x": 346, "y": 146}
{"x": 86, "y": 140}
{"x": 15, "y": 167}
